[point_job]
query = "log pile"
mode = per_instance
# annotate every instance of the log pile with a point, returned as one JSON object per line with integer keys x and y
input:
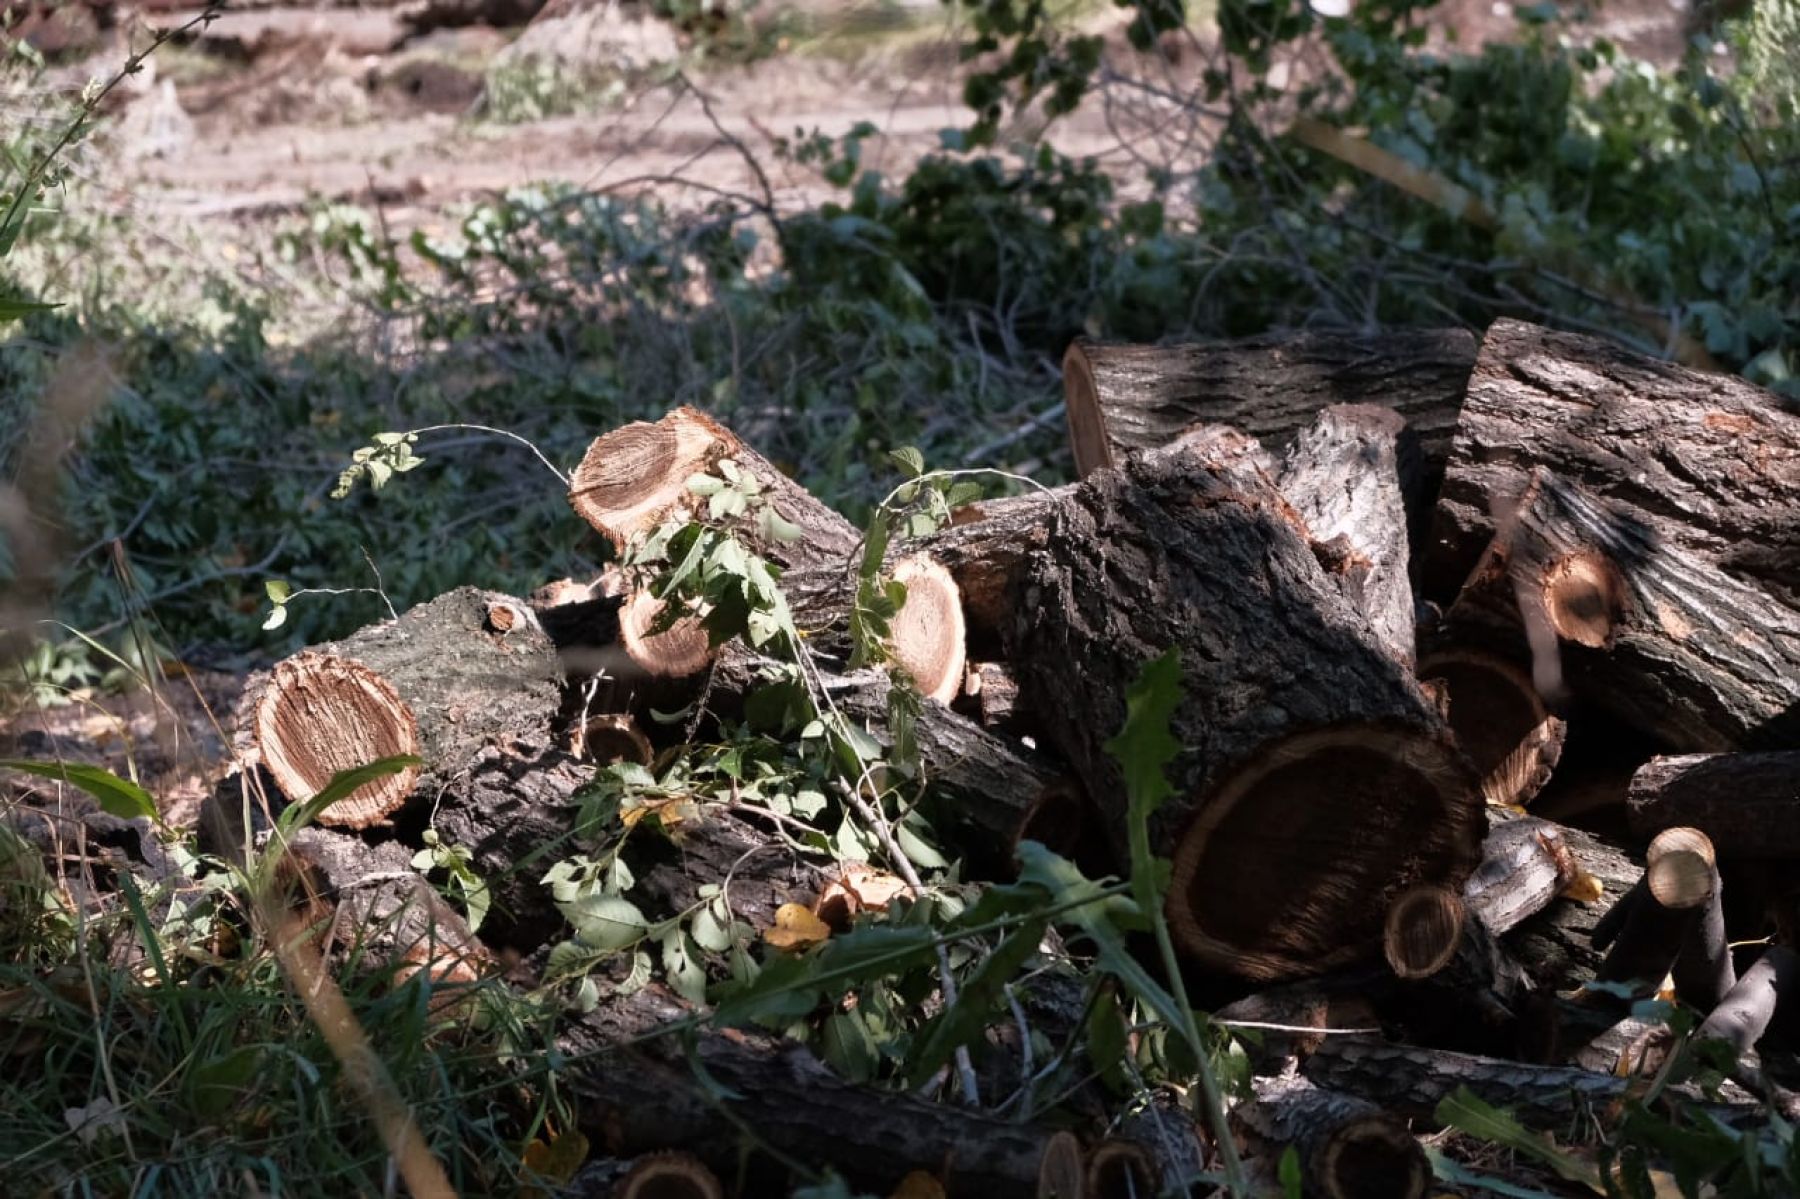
{"x": 1405, "y": 575}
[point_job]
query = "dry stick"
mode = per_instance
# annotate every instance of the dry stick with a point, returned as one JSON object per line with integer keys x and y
{"x": 1464, "y": 205}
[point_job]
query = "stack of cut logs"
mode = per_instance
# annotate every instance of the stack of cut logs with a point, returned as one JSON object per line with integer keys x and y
{"x": 1416, "y": 584}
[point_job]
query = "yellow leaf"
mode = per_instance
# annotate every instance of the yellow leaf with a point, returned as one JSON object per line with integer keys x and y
{"x": 919, "y": 1185}
{"x": 1584, "y": 888}
{"x": 796, "y": 928}
{"x": 554, "y": 1161}
{"x": 669, "y": 810}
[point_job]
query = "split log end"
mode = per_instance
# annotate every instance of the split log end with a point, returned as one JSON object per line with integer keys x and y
{"x": 630, "y": 478}
{"x": 322, "y": 714}
{"x": 928, "y": 635}
{"x": 1402, "y": 797}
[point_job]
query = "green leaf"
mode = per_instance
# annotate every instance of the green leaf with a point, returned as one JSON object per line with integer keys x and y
{"x": 1469, "y": 1113}
{"x": 604, "y": 921}
{"x": 918, "y": 851}
{"x": 909, "y": 460}
{"x": 277, "y": 590}
{"x": 1144, "y": 746}
{"x": 709, "y": 932}
{"x": 848, "y": 1048}
{"x": 1289, "y": 1173}
{"x": 981, "y": 995}
{"x": 116, "y": 796}
{"x": 1107, "y": 1041}
{"x": 687, "y": 978}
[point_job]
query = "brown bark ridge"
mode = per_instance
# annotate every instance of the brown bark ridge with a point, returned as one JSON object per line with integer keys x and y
{"x": 1349, "y": 1148}
{"x": 466, "y": 669}
{"x": 646, "y": 1097}
{"x": 1665, "y": 641}
{"x": 1500, "y": 721}
{"x": 1748, "y": 804}
{"x": 636, "y": 477}
{"x": 1709, "y": 462}
{"x": 1302, "y": 734}
{"x": 1342, "y": 474}
{"x": 991, "y": 695}
{"x": 1122, "y": 398}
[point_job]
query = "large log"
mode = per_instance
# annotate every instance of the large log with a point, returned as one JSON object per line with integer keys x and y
{"x": 1748, "y": 804}
{"x": 636, "y": 477}
{"x": 1122, "y": 398}
{"x": 468, "y": 669}
{"x": 760, "y": 1090}
{"x": 1343, "y": 475}
{"x": 1284, "y": 686}
{"x": 1639, "y": 626}
{"x": 1707, "y": 463}
{"x": 1556, "y": 946}
{"x": 1511, "y": 737}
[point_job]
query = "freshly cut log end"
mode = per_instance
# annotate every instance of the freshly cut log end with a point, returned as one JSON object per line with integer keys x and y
{"x": 1585, "y": 596}
{"x": 1087, "y": 423}
{"x": 1372, "y": 1157}
{"x": 1681, "y": 868}
{"x": 1352, "y": 815}
{"x": 680, "y": 651}
{"x": 630, "y": 478}
{"x": 612, "y": 737}
{"x": 1424, "y": 927}
{"x": 670, "y": 1176}
{"x": 927, "y": 635}
{"x": 1500, "y": 721}
{"x": 322, "y": 714}
{"x": 1120, "y": 1170}
{"x": 1062, "y": 1173}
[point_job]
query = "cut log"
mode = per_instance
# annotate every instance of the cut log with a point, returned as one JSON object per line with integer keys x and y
{"x": 927, "y": 637}
{"x": 1665, "y": 641}
{"x": 1556, "y": 946}
{"x": 1342, "y": 474}
{"x": 1450, "y": 962}
{"x": 776, "y": 1094}
{"x": 1526, "y": 864}
{"x": 1302, "y": 734}
{"x": 1424, "y": 926}
{"x": 611, "y": 737}
{"x": 1705, "y": 465}
{"x": 669, "y": 1176}
{"x": 636, "y": 477}
{"x": 1743, "y": 1015}
{"x": 1291, "y": 1020}
{"x": 1747, "y": 804}
{"x": 1500, "y": 722}
{"x": 448, "y": 677}
{"x": 659, "y": 649}
{"x": 1647, "y": 930}
{"x": 1349, "y": 1148}
{"x": 1122, "y": 398}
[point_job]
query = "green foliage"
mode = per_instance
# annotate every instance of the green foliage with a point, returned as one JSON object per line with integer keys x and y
{"x": 116, "y": 796}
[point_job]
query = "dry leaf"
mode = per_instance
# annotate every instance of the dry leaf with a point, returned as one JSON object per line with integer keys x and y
{"x": 556, "y": 1160}
{"x": 919, "y": 1185}
{"x": 669, "y": 810}
{"x": 796, "y": 928}
{"x": 861, "y": 887}
{"x": 1584, "y": 888}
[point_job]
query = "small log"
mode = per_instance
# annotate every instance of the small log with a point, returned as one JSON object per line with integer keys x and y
{"x": 645, "y": 1095}
{"x": 611, "y": 737}
{"x": 1283, "y": 683}
{"x": 1526, "y": 864}
{"x": 1500, "y": 721}
{"x": 991, "y": 695}
{"x": 1557, "y": 946}
{"x": 1646, "y": 932}
{"x": 1342, "y": 474}
{"x": 1349, "y": 1148}
{"x": 1122, "y": 398}
{"x": 1662, "y": 639}
{"x": 669, "y": 1175}
{"x": 1634, "y": 1047}
{"x": 1449, "y": 962}
{"x": 1708, "y": 463}
{"x": 927, "y": 638}
{"x": 1703, "y": 969}
{"x": 1747, "y": 804}
{"x": 1743, "y": 1015}
{"x": 1157, "y": 1149}
{"x": 469, "y": 668}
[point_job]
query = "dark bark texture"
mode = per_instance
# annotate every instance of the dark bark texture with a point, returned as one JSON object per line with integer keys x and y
{"x": 1748, "y": 804}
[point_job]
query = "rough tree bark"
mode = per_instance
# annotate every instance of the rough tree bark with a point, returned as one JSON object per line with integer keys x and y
{"x": 1749, "y": 804}
{"x": 1284, "y": 684}
{"x": 1343, "y": 475}
{"x": 1664, "y": 640}
{"x": 647, "y": 1096}
{"x": 468, "y": 669}
{"x": 1122, "y": 398}
{"x": 1709, "y": 463}
{"x": 1349, "y": 1148}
